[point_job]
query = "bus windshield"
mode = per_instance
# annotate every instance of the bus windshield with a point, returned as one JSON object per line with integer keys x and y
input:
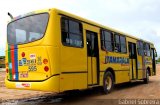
{"x": 27, "y": 29}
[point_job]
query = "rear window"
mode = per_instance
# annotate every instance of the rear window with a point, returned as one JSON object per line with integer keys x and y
{"x": 27, "y": 29}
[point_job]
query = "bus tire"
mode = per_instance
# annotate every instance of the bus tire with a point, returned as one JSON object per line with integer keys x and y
{"x": 146, "y": 80}
{"x": 108, "y": 82}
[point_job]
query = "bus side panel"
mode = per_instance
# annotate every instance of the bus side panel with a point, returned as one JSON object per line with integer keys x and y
{"x": 73, "y": 63}
{"x": 73, "y": 69}
{"x": 121, "y": 76}
{"x": 73, "y": 81}
{"x": 54, "y": 59}
{"x": 121, "y": 70}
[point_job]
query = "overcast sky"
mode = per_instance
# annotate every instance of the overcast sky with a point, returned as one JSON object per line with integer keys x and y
{"x": 140, "y": 18}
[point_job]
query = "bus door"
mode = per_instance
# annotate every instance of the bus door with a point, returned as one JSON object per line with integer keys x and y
{"x": 153, "y": 61}
{"x": 92, "y": 57}
{"x": 133, "y": 60}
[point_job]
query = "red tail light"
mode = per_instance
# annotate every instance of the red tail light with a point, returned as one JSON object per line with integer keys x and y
{"x": 6, "y": 64}
{"x": 45, "y": 61}
{"x": 46, "y": 68}
{"x": 7, "y": 70}
{"x": 23, "y": 54}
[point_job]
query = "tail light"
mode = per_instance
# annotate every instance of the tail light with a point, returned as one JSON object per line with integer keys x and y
{"x": 45, "y": 61}
{"x": 23, "y": 54}
{"x": 7, "y": 70}
{"x": 6, "y": 64}
{"x": 46, "y": 68}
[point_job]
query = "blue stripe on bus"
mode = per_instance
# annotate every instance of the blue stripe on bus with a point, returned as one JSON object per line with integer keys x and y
{"x": 16, "y": 61}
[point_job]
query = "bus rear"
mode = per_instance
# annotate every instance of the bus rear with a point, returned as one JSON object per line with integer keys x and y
{"x": 27, "y": 60}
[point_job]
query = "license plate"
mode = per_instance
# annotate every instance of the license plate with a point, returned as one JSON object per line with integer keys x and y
{"x": 24, "y": 75}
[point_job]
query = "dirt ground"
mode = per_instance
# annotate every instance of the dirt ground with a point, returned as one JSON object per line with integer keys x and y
{"x": 136, "y": 90}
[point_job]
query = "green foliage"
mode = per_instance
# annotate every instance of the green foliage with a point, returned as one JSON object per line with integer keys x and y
{"x": 158, "y": 59}
{"x": 2, "y": 57}
{"x": 2, "y": 65}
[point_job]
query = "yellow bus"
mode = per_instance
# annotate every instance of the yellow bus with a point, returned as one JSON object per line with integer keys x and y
{"x": 52, "y": 50}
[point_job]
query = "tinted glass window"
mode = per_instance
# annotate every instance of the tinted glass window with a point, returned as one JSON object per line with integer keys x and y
{"x": 140, "y": 48}
{"x": 71, "y": 32}
{"x": 75, "y": 40}
{"x": 27, "y": 29}
{"x": 108, "y": 46}
{"x": 107, "y": 36}
{"x": 147, "y": 47}
{"x": 123, "y": 48}
{"x": 148, "y": 53}
{"x": 117, "y": 43}
{"x": 120, "y": 43}
{"x": 112, "y": 42}
{"x": 122, "y": 39}
{"x": 20, "y": 36}
{"x": 107, "y": 40}
{"x": 92, "y": 43}
{"x": 117, "y": 38}
{"x": 64, "y": 24}
{"x": 74, "y": 27}
{"x": 123, "y": 44}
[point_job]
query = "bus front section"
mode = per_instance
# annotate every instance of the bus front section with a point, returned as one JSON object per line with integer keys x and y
{"x": 28, "y": 63}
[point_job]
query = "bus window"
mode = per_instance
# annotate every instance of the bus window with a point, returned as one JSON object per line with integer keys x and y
{"x": 64, "y": 25}
{"x": 20, "y": 36}
{"x": 140, "y": 48}
{"x": 34, "y": 36}
{"x": 71, "y": 33}
{"x": 106, "y": 40}
{"x": 22, "y": 33}
{"x": 123, "y": 44}
{"x": 147, "y": 49}
{"x": 117, "y": 43}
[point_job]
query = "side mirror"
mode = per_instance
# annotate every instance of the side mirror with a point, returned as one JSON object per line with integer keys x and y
{"x": 155, "y": 54}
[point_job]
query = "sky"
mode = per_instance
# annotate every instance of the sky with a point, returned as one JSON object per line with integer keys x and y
{"x": 139, "y": 18}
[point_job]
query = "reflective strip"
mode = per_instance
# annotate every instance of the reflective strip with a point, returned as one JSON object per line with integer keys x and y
{"x": 12, "y": 60}
{"x": 16, "y": 61}
{"x": 9, "y": 62}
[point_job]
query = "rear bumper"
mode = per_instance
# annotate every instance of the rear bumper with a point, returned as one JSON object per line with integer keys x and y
{"x": 51, "y": 84}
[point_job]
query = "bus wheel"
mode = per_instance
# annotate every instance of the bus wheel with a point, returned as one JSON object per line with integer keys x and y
{"x": 146, "y": 80}
{"x": 108, "y": 82}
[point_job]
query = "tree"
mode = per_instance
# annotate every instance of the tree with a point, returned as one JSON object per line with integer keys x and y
{"x": 158, "y": 59}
